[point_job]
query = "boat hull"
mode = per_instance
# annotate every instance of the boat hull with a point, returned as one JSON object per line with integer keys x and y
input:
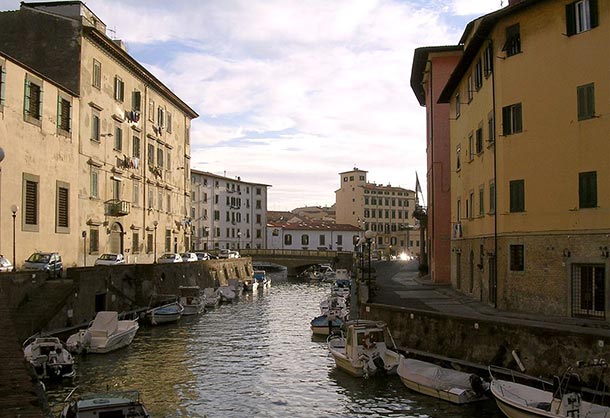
{"x": 115, "y": 342}
{"x": 453, "y": 397}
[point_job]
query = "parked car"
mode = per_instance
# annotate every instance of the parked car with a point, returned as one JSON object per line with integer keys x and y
{"x": 110, "y": 259}
{"x": 226, "y": 253}
{"x": 188, "y": 257}
{"x": 170, "y": 258}
{"x": 5, "y": 264}
{"x": 49, "y": 262}
{"x": 201, "y": 256}
{"x": 234, "y": 254}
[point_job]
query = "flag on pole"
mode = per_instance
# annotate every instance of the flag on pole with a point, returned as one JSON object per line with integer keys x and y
{"x": 418, "y": 190}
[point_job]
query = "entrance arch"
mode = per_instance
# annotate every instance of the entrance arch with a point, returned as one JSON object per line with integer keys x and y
{"x": 116, "y": 238}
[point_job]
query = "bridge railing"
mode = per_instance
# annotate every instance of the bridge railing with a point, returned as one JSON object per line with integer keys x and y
{"x": 290, "y": 253}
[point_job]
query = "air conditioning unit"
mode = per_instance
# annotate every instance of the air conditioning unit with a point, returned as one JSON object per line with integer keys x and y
{"x": 457, "y": 230}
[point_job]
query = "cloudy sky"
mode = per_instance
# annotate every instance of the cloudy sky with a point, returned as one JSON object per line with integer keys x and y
{"x": 292, "y": 92}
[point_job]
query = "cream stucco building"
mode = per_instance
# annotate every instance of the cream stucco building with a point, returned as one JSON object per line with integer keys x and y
{"x": 128, "y": 169}
{"x": 385, "y": 210}
{"x": 529, "y": 114}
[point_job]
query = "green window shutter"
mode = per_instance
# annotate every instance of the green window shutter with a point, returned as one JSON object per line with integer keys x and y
{"x": 590, "y": 98}
{"x": 570, "y": 19}
{"x": 2, "y": 85}
{"x": 59, "y": 108}
{"x": 518, "y": 117}
{"x": 587, "y": 189}
{"x": 593, "y": 9}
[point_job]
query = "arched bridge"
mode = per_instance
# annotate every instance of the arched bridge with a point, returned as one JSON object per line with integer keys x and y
{"x": 298, "y": 260}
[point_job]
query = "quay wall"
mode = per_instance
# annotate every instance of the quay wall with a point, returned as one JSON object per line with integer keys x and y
{"x": 544, "y": 350}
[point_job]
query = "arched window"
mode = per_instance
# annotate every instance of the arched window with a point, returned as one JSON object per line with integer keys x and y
{"x": 305, "y": 239}
{"x": 287, "y": 239}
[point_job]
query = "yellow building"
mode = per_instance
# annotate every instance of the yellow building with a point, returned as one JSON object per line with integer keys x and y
{"x": 530, "y": 115}
{"x": 36, "y": 193}
{"x": 130, "y": 177}
{"x": 385, "y": 210}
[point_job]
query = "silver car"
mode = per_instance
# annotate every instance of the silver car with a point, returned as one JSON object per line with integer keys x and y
{"x": 170, "y": 258}
{"x": 110, "y": 259}
{"x": 49, "y": 262}
{"x": 5, "y": 264}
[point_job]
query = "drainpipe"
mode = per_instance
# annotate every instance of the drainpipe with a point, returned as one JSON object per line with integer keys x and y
{"x": 493, "y": 89}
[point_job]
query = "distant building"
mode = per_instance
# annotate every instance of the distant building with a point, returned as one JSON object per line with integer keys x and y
{"x": 227, "y": 212}
{"x": 385, "y": 210}
{"x": 311, "y": 235}
{"x": 316, "y": 213}
{"x": 283, "y": 216}
{"x": 99, "y": 157}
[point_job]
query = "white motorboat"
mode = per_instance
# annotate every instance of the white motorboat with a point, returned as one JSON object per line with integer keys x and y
{"x": 49, "y": 358}
{"x": 441, "y": 382}
{"x": 236, "y": 285}
{"x": 192, "y": 299}
{"x": 106, "y": 333}
{"x": 170, "y": 312}
{"x": 260, "y": 276}
{"x": 362, "y": 350}
{"x": 212, "y": 297}
{"x": 520, "y": 400}
{"x": 341, "y": 287}
{"x": 250, "y": 285}
{"x": 106, "y": 404}
{"x": 337, "y": 304}
{"x": 227, "y": 294}
{"x": 325, "y": 324}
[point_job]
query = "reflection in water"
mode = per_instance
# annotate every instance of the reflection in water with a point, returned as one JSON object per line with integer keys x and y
{"x": 255, "y": 357}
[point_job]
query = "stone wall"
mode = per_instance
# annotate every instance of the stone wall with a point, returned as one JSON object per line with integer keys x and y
{"x": 544, "y": 351}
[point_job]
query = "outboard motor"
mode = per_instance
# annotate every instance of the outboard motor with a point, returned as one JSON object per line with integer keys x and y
{"x": 379, "y": 363}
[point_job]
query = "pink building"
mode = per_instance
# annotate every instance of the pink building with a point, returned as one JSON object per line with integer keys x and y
{"x": 432, "y": 67}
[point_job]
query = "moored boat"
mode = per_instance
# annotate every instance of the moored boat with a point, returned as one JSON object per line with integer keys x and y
{"x": 106, "y": 404}
{"x": 250, "y": 285}
{"x": 440, "y": 382}
{"x": 105, "y": 333}
{"x": 362, "y": 350}
{"x": 192, "y": 299}
{"x": 227, "y": 294}
{"x": 260, "y": 276}
{"x": 523, "y": 400}
{"x": 341, "y": 287}
{"x": 212, "y": 297}
{"x": 170, "y": 312}
{"x": 337, "y": 304}
{"x": 326, "y": 323}
{"x": 49, "y": 358}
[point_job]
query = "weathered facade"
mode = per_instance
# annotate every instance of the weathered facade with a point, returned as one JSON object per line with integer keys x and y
{"x": 130, "y": 178}
{"x": 528, "y": 137}
{"x": 227, "y": 212}
{"x": 312, "y": 235}
{"x": 385, "y": 210}
{"x": 432, "y": 67}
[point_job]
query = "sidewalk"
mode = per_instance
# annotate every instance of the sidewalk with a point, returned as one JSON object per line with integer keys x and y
{"x": 407, "y": 289}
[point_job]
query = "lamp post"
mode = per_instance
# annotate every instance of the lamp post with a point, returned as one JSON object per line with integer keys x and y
{"x": 14, "y": 209}
{"x": 84, "y": 234}
{"x": 368, "y": 236}
{"x": 238, "y": 239}
{"x": 155, "y": 223}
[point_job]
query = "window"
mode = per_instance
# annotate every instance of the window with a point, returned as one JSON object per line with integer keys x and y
{"x": 581, "y": 16}
{"x": 95, "y": 126}
{"x": 512, "y": 119}
{"x": 517, "y": 262}
{"x": 481, "y": 201}
{"x": 151, "y": 110}
{"x": 2, "y": 83}
{"x": 135, "y": 242}
{"x": 62, "y": 208}
{"x": 258, "y": 219}
{"x": 169, "y": 202}
{"x": 259, "y": 233}
{"x": 64, "y": 114}
{"x": 118, "y": 138}
{"x": 458, "y": 155}
{"x": 151, "y": 197}
{"x": 97, "y": 74}
{"x": 135, "y": 188}
{"x": 119, "y": 89}
{"x": 116, "y": 189}
{"x": 478, "y": 75}
{"x": 136, "y": 101}
{"x": 586, "y": 101}
{"x": 517, "y": 196}
{"x": 149, "y": 243}
{"x": 258, "y": 191}
{"x": 470, "y": 88}
{"x": 31, "y": 200}
{"x": 94, "y": 240}
{"x": 339, "y": 239}
{"x": 32, "y": 102}
{"x": 479, "y": 141}
{"x": 459, "y": 210}
{"x": 168, "y": 124}
{"x": 216, "y": 215}
{"x": 160, "y": 116}
{"x": 512, "y": 45}
{"x": 168, "y": 161}
{"x": 322, "y": 240}
{"x": 457, "y": 105}
{"x": 160, "y": 157}
{"x": 488, "y": 60}
{"x": 305, "y": 239}
{"x": 587, "y": 189}
{"x": 151, "y": 154}
{"x": 160, "y": 200}
{"x": 470, "y": 208}
{"x": 344, "y": 179}
{"x": 492, "y": 197}
{"x": 470, "y": 147}
{"x": 589, "y": 290}
{"x": 491, "y": 127}
{"x": 135, "y": 146}
{"x": 168, "y": 240}
{"x": 95, "y": 175}
{"x": 258, "y": 204}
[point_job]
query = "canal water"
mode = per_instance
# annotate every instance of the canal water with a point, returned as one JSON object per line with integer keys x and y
{"x": 255, "y": 357}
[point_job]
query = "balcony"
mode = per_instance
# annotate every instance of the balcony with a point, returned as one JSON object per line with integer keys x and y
{"x": 116, "y": 208}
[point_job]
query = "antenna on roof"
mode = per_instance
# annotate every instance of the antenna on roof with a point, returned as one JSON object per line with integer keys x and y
{"x": 112, "y": 32}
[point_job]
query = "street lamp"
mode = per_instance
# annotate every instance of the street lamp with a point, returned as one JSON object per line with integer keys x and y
{"x": 368, "y": 236}
{"x": 238, "y": 239}
{"x": 14, "y": 209}
{"x": 155, "y": 223}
